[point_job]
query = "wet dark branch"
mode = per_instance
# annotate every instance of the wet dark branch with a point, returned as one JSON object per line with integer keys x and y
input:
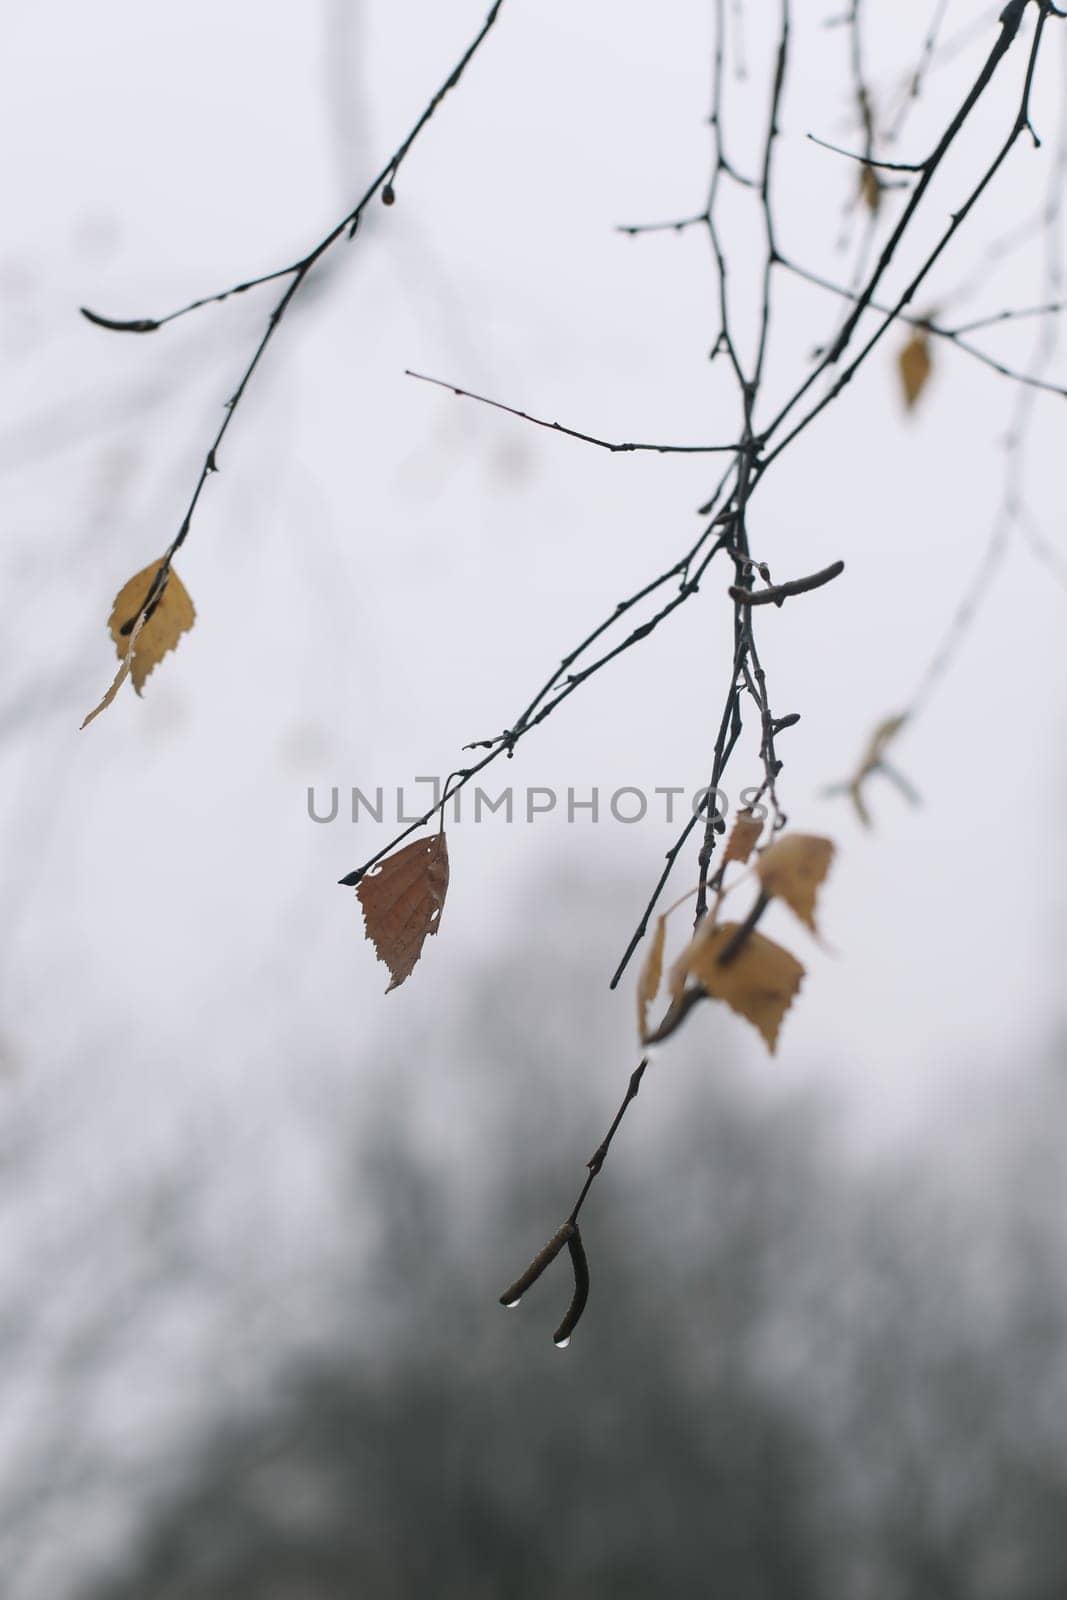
{"x": 1010, "y": 21}
{"x": 782, "y": 591}
{"x": 562, "y": 682}
{"x": 297, "y": 273}
{"x": 947, "y": 334}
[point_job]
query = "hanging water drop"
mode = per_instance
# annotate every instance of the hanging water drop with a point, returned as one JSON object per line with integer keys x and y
{"x": 509, "y": 1305}
{"x": 561, "y": 1344}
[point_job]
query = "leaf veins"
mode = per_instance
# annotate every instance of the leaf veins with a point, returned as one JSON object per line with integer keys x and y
{"x": 168, "y": 617}
{"x": 143, "y": 634}
{"x": 402, "y": 899}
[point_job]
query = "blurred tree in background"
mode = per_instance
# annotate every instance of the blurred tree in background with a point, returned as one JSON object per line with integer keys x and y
{"x": 808, "y": 1375}
{"x": 256, "y": 1217}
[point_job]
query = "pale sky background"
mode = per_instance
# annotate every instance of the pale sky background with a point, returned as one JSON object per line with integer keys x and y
{"x": 382, "y": 572}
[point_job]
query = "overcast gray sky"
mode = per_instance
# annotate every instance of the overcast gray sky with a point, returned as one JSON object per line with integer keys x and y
{"x": 382, "y": 572}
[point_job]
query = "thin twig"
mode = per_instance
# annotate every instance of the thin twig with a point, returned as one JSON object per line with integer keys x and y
{"x": 574, "y": 433}
{"x": 297, "y": 273}
{"x": 782, "y": 591}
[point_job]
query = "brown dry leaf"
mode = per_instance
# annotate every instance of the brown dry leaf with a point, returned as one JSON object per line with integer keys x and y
{"x": 170, "y": 617}
{"x": 651, "y": 974}
{"x": 759, "y": 983}
{"x": 402, "y": 899}
{"x": 744, "y": 836}
{"x": 792, "y": 869}
{"x": 880, "y": 739}
{"x": 121, "y": 675}
{"x": 915, "y": 365}
{"x": 871, "y": 190}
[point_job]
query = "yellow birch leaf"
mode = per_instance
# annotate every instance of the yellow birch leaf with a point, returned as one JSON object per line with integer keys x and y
{"x": 915, "y": 365}
{"x": 759, "y": 983}
{"x": 402, "y": 899}
{"x": 871, "y": 190}
{"x": 651, "y": 973}
{"x": 744, "y": 836}
{"x": 170, "y": 616}
{"x": 792, "y": 869}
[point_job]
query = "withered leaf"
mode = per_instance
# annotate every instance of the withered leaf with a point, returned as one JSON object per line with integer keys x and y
{"x": 759, "y": 983}
{"x": 168, "y": 618}
{"x": 651, "y": 973}
{"x": 402, "y": 899}
{"x": 915, "y": 365}
{"x": 871, "y": 189}
{"x": 744, "y": 836}
{"x": 792, "y": 869}
{"x": 121, "y": 675}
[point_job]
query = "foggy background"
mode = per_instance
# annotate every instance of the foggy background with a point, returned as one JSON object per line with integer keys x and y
{"x": 256, "y": 1215}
